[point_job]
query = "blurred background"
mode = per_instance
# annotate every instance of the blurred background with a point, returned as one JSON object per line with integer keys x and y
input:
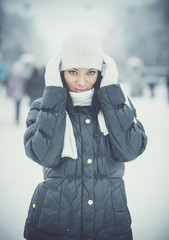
{"x": 136, "y": 35}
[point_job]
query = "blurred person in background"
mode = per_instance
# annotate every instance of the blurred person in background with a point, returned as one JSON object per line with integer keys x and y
{"x": 167, "y": 84}
{"x": 152, "y": 81}
{"x": 35, "y": 85}
{"x": 16, "y": 87}
{"x": 3, "y": 72}
{"x": 81, "y": 132}
{"x": 135, "y": 69}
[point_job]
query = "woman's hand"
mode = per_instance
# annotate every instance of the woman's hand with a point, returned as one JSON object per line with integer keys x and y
{"x": 52, "y": 73}
{"x": 109, "y": 73}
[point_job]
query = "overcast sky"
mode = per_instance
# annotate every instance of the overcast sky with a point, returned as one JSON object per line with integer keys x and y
{"x": 55, "y": 19}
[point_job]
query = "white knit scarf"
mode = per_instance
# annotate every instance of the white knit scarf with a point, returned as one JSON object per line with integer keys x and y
{"x": 79, "y": 99}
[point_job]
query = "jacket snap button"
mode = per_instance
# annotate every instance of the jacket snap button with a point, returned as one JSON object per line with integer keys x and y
{"x": 89, "y": 161}
{"x": 90, "y": 202}
{"x": 87, "y": 121}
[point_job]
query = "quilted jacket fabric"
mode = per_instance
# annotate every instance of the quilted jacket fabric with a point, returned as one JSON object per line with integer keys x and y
{"x": 83, "y": 198}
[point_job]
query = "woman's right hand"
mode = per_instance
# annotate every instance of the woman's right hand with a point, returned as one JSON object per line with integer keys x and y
{"x": 52, "y": 73}
{"x": 110, "y": 72}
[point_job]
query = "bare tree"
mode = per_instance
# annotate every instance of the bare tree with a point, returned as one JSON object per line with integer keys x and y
{"x": 17, "y": 33}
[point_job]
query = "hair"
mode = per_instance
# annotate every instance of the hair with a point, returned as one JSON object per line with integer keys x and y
{"x": 95, "y": 102}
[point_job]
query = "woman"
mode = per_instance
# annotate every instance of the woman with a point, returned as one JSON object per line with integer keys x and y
{"x": 81, "y": 132}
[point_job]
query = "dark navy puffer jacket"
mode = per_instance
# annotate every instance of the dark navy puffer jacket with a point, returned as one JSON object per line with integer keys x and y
{"x": 82, "y": 199}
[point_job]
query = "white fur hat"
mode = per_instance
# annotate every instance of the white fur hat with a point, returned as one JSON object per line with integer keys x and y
{"x": 81, "y": 50}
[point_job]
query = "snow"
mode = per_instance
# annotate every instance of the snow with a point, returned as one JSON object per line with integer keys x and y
{"x": 147, "y": 178}
{"x": 19, "y": 176}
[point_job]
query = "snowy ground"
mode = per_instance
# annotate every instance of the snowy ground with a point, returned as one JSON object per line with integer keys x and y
{"x": 147, "y": 178}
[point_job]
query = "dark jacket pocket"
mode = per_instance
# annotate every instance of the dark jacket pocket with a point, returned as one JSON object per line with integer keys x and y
{"x": 36, "y": 204}
{"x": 121, "y": 211}
{"x": 51, "y": 210}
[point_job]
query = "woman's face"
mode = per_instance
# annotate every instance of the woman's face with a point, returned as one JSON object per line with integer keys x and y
{"x": 80, "y": 79}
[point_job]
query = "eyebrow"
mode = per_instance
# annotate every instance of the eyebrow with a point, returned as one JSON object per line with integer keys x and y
{"x": 88, "y": 69}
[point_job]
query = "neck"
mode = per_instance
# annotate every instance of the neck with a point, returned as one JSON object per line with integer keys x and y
{"x": 83, "y": 98}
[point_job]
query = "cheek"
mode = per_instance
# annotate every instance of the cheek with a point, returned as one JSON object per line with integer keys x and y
{"x": 68, "y": 79}
{"x": 93, "y": 80}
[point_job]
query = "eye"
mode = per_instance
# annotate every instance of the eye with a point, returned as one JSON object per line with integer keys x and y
{"x": 72, "y": 72}
{"x": 91, "y": 72}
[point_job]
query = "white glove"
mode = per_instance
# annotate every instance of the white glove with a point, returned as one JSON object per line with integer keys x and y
{"x": 110, "y": 72}
{"x": 52, "y": 73}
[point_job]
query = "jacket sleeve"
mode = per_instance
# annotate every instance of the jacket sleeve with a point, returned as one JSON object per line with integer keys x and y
{"x": 46, "y": 122}
{"x": 126, "y": 133}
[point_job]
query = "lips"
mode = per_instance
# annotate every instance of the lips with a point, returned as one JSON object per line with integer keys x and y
{"x": 80, "y": 90}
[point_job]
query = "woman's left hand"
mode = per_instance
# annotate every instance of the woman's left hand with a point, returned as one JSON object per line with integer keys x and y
{"x": 110, "y": 72}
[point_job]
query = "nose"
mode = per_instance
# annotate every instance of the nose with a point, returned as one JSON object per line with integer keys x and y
{"x": 81, "y": 80}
